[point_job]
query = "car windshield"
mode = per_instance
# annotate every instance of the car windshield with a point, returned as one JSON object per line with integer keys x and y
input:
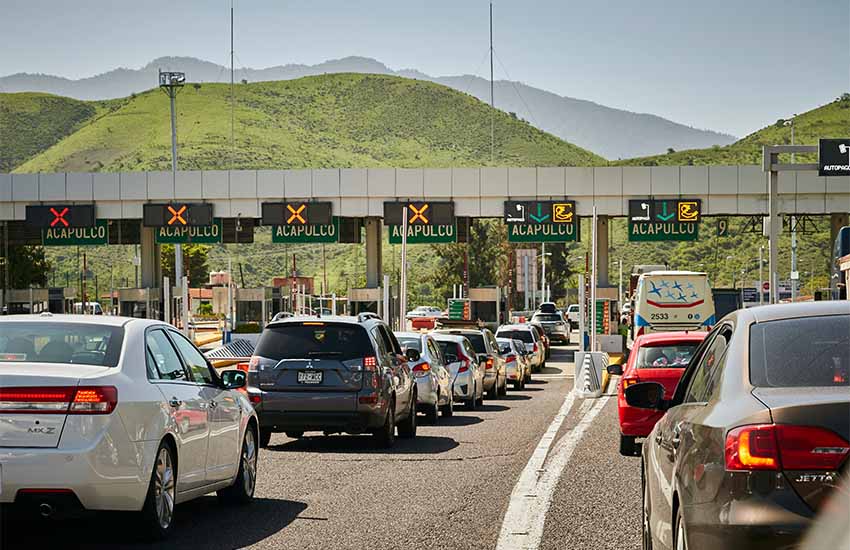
{"x": 410, "y": 343}
{"x": 665, "y": 355}
{"x": 342, "y": 342}
{"x": 477, "y": 341}
{"x": 71, "y": 343}
{"x": 546, "y": 317}
{"x": 448, "y": 348}
{"x": 523, "y": 335}
{"x": 812, "y": 351}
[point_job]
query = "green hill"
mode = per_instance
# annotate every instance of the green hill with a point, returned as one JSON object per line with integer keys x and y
{"x": 32, "y": 122}
{"x": 339, "y": 120}
{"x": 829, "y": 121}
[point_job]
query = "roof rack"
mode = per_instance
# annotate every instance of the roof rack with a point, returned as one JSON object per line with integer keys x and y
{"x": 367, "y": 315}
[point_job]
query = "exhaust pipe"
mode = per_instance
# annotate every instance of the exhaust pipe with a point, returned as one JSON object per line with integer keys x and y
{"x": 46, "y": 510}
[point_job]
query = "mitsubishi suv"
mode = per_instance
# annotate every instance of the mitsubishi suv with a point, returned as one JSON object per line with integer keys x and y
{"x": 333, "y": 375}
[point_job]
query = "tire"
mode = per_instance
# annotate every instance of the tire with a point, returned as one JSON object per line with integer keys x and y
{"x": 407, "y": 428}
{"x": 472, "y": 404}
{"x": 517, "y": 386}
{"x": 158, "y": 511}
{"x": 448, "y": 409}
{"x": 627, "y": 445}
{"x": 503, "y": 391}
{"x": 680, "y": 534}
{"x": 242, "y": 490}
{"x": 481, "y": 399}
{"x": 295, "y": 435}
{"x": 433, "y": 412}
{"x": 495, "y": 391}
{"x": 265, "y": 438}
{"x": 384, "y": 437}
{"x": 646, "y": 533}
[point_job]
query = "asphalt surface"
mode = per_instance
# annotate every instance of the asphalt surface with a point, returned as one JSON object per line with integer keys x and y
{"x": 449, "y": 488}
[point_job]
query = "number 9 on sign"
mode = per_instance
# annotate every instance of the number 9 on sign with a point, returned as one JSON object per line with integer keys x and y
{"x": 722, "y": 227}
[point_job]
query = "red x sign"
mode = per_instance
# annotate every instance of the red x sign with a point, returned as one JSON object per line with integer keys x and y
{"x": 59, "y": 217}
{"x": 177, "y": 215}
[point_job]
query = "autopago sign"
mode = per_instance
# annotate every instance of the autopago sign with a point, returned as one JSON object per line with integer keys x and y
{"x": 664, "y": 219}
{"x": 60, "y": 235}
{"x": 185, "y": 234}
{"x": 423, "y": 234}
{"x": 311, "y": 233}
{"x": 834, "y": 157}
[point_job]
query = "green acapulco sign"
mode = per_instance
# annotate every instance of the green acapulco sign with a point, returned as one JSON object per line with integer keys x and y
{"x": 663, "y": 231}
{"x": 307, "y": 233}
{"x": 423, "y": 234}
{"x": 543, "y": 233}
{"x": 76, "y": 236}
{"x": 184, "y": 234}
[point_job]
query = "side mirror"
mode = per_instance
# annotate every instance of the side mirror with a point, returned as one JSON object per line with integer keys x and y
{"x": 450, "y": 359}
{"x": 615, "y": 369}
{"x": 412, "y": 354}
{"x": 233, "y": 379}
{"x": 482, "y": 358}
{"x": 646, "y": 395}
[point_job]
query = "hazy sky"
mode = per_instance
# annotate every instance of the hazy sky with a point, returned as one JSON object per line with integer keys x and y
{"x": 728, "y": 65}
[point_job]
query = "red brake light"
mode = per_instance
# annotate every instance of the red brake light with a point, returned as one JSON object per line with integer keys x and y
{"x": 94, "y": 400}
{"x": 511, "y": 359}
{"x": 61, "y": 400}
{"x": 489, "y": 364}
{"x": 464, "y": 366}
{"x": 421, "y": 369}
{"x": 810, "y": 448}
{"x": 535, "y": 347}
{"x": 370, "y": 363}
{"x": 255, "y": 398}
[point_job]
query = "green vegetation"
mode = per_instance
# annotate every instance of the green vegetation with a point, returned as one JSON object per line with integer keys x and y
{"x": 338, "y": 120}
{"x": 829, "y": 121}
{"x": 32, "y": 122}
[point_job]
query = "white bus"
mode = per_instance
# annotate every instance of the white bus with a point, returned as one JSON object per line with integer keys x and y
{"x": 672, "y": 301}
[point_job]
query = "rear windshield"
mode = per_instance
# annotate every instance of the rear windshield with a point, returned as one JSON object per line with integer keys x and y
{"x": 410, "y": 343}
{"x": 523, "y": 335}
{"x": 448, "y": 348}
{"x": 813, "y": 351}
{"x": 72, "y": 343}
{"x": 296, "y": 341}
{"x": 477, "y": 341}
{"x": 665, "y": 355}
{"x": 546, "y": 317}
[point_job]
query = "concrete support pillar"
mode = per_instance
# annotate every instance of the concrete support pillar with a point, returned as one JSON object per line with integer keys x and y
{"x": 602, "y": 251}
{"x": 374, "y": 256}
{"x": 151, "y": 276}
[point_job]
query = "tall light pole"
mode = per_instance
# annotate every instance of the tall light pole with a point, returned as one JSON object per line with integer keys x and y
{"x": 542, "y": 257}
{"x": 761, "y": 280}
{"x": 794, "y": 275}
{"x": 171, "y": 83}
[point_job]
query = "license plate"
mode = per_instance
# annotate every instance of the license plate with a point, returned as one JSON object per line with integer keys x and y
{"x": 310, "y": 377}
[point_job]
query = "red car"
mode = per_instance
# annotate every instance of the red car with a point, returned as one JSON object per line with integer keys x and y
{"x": 656, "y": 357}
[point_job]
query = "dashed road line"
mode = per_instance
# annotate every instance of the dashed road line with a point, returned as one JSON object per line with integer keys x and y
{"x": 522, "y": 527}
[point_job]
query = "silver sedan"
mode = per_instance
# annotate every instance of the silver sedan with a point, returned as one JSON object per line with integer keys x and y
{"x": 433, "y": 381}
{"x": 109, "y": 413}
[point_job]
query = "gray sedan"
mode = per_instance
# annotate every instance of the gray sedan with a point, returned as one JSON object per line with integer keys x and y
{"x": 433, "y": 381}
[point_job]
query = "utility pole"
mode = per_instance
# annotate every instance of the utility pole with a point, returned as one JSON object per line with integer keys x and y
{"x": 232, "y": 96}
{"x": 543, "y": 274}
{"x": 171, "y": 83}
{"x": 402, "y": 291}
{"x": 794, "y": 275}
{"x": 492, "y": 99}
{"x": 761, "y": 280}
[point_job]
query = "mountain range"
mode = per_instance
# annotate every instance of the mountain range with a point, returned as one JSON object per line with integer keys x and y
{"x": 611, "y": 133}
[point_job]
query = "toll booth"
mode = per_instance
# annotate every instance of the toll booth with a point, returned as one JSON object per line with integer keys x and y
{"x": 142, "y": 303}
{"x": 38, "y": 300}
{"x": 362, "y": 300}
{"x": 252, "y": 305}
{"x": 486, "y": 306}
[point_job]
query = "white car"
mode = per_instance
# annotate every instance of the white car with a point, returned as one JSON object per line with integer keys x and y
{"x": 572, "y": 315}
{"x": 528, "y": 336}
{"x": 425, "y": 311}
{"x": 111, "y": 413}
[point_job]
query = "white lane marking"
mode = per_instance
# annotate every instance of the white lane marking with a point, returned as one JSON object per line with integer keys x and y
{"x": 522, "y": 527}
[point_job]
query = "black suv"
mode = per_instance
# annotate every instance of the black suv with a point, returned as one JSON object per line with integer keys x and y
{"x": 332, "y": 374}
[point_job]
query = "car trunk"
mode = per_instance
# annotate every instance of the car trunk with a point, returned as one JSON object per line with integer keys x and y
{"x": 667, "y": 377}
{"x": 34, "y": 401}
{"x": 821, "y": 407}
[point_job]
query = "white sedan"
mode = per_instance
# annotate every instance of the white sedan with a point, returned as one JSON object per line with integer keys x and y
{"x": 110, "y": 413}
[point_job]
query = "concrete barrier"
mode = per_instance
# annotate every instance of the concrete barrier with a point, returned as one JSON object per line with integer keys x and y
{"x": 591, "y": 368}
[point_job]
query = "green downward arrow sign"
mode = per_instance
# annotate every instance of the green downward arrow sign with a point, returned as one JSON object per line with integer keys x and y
{"x": 539, "y": 218}
{"x": 664, "y": 216}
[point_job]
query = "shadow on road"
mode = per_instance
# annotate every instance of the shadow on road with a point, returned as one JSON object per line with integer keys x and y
{"x": 492, "y": 407}
{"x": 536, "y": 382}
{"x": 201, "y": 523}
{"x": 532, "y": 389}
{"x": 363, "y": 444}
{"x": 516, "y": 397}
{"x": 457, "y": 420}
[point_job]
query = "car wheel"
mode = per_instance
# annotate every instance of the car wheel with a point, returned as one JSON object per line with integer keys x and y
{"x": 432, "y": 412}
{"x": 481, "y": 399}
{"x": 472, "y": 403}
{"x": 627, "y": 445}
{"x": 242, "y": 490}
{"x": 384, "y": 436}
{"x": 295, "y": 435}
{"x": 265, "y": 438}
{"x": 449, "y": 408}
{"x": 504, "y": 391}
{"x": 158, "y": 510}
{"x": 680, "y": 539}
{"x": 646, "y": 535}
{"x": 407, "y": 429}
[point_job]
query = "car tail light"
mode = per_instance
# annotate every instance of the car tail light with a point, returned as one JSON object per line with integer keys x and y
{"x": 535, "y": 348}
{"x": 630, "y": 381}
{"x": 370, "y": 368}
{"x": 510, "y": 359}
{"x": 59, "y": 400}
{"x": 422, "y": 369}
{"x": 489, "y": 363}
{"x": 255, "y": 398}
{"x": 370, "y": 363}
{"x": 368, "y": 399}
{"x": 464, "y": 366}
{"x": 244, "y": 367}
{"x": 775, "y": 446}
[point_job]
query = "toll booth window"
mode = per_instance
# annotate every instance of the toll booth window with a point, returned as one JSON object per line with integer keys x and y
{"x": 247, "y": 312}
{"x": 62, "y": 343}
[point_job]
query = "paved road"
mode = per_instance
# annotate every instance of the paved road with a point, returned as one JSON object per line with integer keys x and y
{"x": 451, "y": 487}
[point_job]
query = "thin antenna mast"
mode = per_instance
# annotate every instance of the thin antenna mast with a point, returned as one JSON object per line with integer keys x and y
{"x": 232, "y": 101}
{"x": 492, "y": 103}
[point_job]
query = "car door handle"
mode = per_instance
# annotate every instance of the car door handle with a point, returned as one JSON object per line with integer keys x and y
{"x": 174, "y": 402}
